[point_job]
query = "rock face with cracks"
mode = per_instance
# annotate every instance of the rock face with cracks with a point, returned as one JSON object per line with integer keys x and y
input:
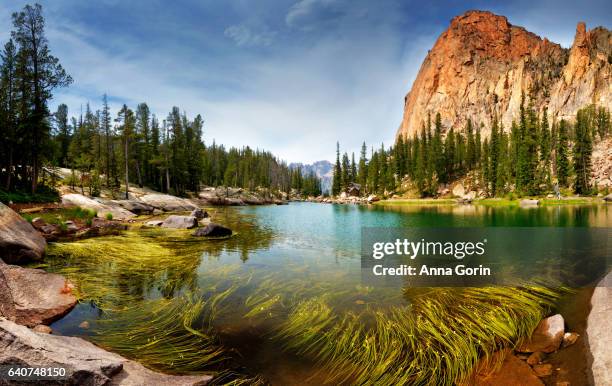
{"x": 85, "y": 363}
{"x": 19, "y": 241}
{"x": 32, "y": 296}
{"x": 481, "y": 65}
{"x": 599, "y": 325}
{"x": 102, "y": 209}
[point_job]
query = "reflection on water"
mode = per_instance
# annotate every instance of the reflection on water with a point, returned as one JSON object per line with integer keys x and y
{"x": 288, "y": 269}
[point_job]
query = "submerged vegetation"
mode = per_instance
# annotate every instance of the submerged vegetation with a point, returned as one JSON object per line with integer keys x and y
{"x": 165, "y": 300}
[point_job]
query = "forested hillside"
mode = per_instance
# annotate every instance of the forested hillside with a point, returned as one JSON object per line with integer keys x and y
{"x": 534, "y": 157}
{"x": 109, "y": 150}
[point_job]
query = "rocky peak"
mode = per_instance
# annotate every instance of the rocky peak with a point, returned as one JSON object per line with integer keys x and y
{"x": 482, "y": 64}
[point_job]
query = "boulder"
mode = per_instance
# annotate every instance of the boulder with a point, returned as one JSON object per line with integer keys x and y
{"x": 41, "y": 328}
{"x": 133, "y": 206}
{"x": 154, "y": 223}
{"x": 234, "y": 201}
{"x": 102, "y": 209}
{"x": 513, "y": 372}
{"x": 458, "y": 190}
{"x": 85, "y": 363}
{"x": 528, "y": 202}
{"x": 608, "y": 198}
{"x": 569, "y": 338}
{"x": 32, "y": 296}
{"x": 543, "y": 370}
{"x": 535, "y": 358}
{"x": 599, "y": 325}
{"x": 373, "y": 198}
{"x": 199, "y": 213}
{"x": 168, "y": 203}
{"x": 180, "y": 222}
{"x": 71, "y": 226}
{"x": 547, "y": 336}
{"x": 470, "y": 195}
{"x": 19, "y": 241}
{"x": 213, "y": 230}
{"x": 38, "y": 223}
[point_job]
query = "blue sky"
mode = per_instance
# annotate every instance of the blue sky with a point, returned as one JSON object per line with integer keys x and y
{"x": 290, "y": 76}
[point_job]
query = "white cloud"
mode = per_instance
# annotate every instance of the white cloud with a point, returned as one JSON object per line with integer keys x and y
{"x": 246, "y": 36}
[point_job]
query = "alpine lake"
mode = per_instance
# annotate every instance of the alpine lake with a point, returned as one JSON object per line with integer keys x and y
{"x": 282, "y": 301}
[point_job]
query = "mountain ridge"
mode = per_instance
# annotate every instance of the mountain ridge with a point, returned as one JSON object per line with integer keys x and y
{"x": 482, "y": 65}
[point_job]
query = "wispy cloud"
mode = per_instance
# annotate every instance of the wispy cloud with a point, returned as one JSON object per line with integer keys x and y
{"x": 288, "y": 76}
{"x": 244, "y": 35}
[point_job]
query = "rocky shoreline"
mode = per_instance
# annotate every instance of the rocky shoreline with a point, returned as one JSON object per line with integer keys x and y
{"x": 31, "y": 299}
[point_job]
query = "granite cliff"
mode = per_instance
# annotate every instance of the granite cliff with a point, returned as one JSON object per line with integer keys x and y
{"x": 481, "y": 65}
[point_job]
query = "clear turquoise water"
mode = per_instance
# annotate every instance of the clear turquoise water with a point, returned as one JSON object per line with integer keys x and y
{"x": 299, "y": 250}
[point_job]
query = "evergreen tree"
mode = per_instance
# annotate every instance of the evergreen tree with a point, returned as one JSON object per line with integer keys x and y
{"x": 363, "y": 169}
{"x": 337, "y": 184}
{"x": 450, "y": 153}
{"x": 583, "y": 149}
{"x": 346, "y": 171}
{"x": 545, "y": 149}
{"x": 437, "y": 152}
{"x": 374, "y": 172}
{"x": 41, "y": 73}
{"x": 126, "y": 121}
{"x": 562, "y": 154}
{"x": 471, "y": 145}
{"x": 603, "y": 122}
{"x": 8, "y": 111}
{"x": 494, "y": 150}
{"x": 353, "y": 168}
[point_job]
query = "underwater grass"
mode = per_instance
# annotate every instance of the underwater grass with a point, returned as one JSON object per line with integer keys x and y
{"x": 160, "y": 308}
{"x": 437, "y": 340}
{"x": 164, "y": 334}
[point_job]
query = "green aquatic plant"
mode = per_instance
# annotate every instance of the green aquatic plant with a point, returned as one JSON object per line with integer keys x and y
{"x": 438, "y": 339}
{"x": 165, "y": 334}
{"x": 166, "y": 300}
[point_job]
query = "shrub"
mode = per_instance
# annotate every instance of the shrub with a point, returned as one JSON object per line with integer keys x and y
{"x": 109, "y": 216}
{"x": 43, "y": 194}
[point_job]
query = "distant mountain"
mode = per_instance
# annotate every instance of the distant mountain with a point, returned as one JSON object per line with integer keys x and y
{"x": 322, "y": 169}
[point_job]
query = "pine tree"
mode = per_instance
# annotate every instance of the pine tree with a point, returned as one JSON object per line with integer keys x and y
{"x": 41, "y": 74}
{"x": 353, "y": 177}
{"x": 363, "y": 169}
{"x": 545, "y": 149}
{"x": 437, "y": 152}
{"x": 583, "y": 149}
{"x": 562, "y": 154}
{"x": 494, "y": 150}
{"x": 382, "y": 160}
{"x": 373, "y": 172}
{"x": 421, "y": 163}
{"x": 471, "y": 145}
{"x": 337, "y": 184}
{"x": 126, "y": 121}
{"x": 346, "y": 172}
{"x": 603, "y": 122}
{"x": 450, "y": 153}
